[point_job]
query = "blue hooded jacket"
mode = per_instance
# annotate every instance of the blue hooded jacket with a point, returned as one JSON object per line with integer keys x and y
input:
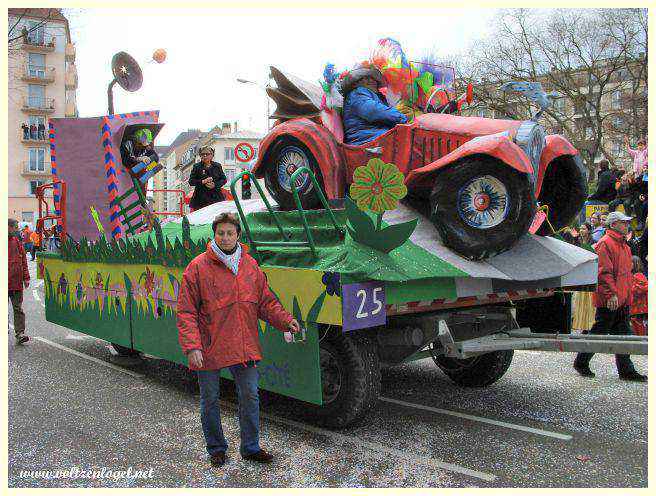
{"x": 366, "y": 116}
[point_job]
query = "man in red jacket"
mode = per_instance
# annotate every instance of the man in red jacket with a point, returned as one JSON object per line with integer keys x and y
{"x": 19, "y": 279}
{"x": 613, "y": 295}
{"x": 223, "y": 294}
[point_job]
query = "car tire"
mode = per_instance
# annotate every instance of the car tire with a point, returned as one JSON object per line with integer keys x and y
{"x": 350, "y": 377}
{"x": 564, "y": 189}
{"x": 504, "y": 207}
{"x": 479, "y": 371}
{"x": 289, "y": 153}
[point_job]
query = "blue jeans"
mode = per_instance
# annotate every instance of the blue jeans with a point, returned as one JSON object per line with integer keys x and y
{"x": 249, "y": 409}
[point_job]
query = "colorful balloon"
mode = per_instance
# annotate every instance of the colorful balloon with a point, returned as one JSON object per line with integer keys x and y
{"x": 159, "y": 55}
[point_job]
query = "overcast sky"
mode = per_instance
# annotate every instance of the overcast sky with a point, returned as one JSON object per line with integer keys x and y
{"x": 208, "y": 49}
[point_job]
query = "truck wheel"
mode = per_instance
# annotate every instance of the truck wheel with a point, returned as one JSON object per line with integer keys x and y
{"x": 286, "y": 156}
{"x": 350, "y": 380}
{"x": 478, "y": 371}
{"x": 481, "y": 207}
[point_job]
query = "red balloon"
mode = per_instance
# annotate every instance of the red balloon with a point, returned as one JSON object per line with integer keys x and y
{"x": 159, "y": 55}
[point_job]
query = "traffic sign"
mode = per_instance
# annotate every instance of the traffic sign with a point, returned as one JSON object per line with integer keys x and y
{"x": 244, "y": 152}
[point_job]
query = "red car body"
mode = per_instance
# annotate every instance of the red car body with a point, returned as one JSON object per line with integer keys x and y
{"x": 420, "y": 149}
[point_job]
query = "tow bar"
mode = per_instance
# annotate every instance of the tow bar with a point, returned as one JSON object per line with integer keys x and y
{"x": 524, "y": 339}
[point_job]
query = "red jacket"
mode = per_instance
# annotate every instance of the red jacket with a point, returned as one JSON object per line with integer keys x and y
{"x": 18, "y": 272}
{"x": 218, "y": 310}
{"x": 615, "y": 266}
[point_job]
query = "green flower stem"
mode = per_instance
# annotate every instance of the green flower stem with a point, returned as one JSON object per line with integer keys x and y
{"x": 379, "y": 221}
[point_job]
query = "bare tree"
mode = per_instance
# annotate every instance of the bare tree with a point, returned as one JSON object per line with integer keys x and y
{"x": 596, "y": 60}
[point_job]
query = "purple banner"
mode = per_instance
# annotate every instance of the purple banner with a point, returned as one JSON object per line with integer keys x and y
{"x": 363, "y": 305}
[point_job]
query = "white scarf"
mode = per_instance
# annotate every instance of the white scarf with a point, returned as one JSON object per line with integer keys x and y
{"x": 230, "y": 261}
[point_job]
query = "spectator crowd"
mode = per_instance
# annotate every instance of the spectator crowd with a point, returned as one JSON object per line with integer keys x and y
{"x": 625, "y": 192}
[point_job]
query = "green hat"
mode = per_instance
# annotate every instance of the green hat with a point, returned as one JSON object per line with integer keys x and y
{"x": 144, "y": 136}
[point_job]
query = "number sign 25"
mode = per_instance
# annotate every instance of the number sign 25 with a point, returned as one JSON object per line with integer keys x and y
{"x": 363, "y": 305}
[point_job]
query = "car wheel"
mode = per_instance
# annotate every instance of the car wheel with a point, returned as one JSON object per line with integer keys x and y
{"x": 481, "y": 207}
{"x": 287, "y": 156}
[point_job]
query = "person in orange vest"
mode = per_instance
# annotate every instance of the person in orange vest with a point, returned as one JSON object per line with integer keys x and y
{"x": 34, "y": 238}
{"x": 639, "y": 299}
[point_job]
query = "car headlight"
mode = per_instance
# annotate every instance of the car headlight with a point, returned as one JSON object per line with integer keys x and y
{"x": 530, "y": 137}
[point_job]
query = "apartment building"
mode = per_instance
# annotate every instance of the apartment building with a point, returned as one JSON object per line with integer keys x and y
{"x": 615, "y": 107}
{"x": 42, "y": 82}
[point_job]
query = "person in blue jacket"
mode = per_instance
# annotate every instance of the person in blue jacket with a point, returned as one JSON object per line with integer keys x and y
{"x": 366, "y": 115}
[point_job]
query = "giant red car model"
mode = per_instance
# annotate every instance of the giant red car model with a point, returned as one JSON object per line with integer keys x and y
{"x": 478, "y": 179}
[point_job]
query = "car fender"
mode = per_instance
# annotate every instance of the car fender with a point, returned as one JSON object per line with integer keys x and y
{"x": 498, "y": 145}
{"x": 555, "y": 146}
{"x": 321, "y": 144}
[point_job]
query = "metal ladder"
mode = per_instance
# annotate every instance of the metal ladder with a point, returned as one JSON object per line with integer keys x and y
{"x": 133, "y": 210}
{"x": 284, "y": 235}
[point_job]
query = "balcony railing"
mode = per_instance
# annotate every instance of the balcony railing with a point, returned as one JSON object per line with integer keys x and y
{"x": 38, "y": 103}
{"x": 39, "y": 43}
{"x": 70, "y": 52}
{"x": 30, "y": 168}
{"x": 34, "y": 138}
{"x": 71, "y": 79}
{"x": 38, "y": 73}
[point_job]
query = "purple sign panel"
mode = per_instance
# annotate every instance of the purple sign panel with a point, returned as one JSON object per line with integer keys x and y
{"x": 363, "y": 305}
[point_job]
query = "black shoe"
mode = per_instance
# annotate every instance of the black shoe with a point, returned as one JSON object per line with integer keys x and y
{"x": 633, "y": 376}
{"x": 259, "y": 456}
{"x": 584, "y": 371}
{"x": 22, "y": 339}
{"x": 218, "y": 459}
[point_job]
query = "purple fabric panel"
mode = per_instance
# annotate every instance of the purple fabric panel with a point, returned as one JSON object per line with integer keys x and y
{"x": 80, "y": 162}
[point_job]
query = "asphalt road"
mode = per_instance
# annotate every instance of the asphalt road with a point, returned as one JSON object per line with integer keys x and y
{"x": 541, "y": 425}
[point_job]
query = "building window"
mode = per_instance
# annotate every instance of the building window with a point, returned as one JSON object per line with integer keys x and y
{"x": 616, "y": 100}
{"x": 36, "y": 32}
{"x": 36, "y": 65}
{"x": 229, "y": 154}
{"x": 34, "y": 185}
{"x": 617, "y": 148}
{"x": 230, "y": 175}
{"x": 617, "y": 122}
{"x": 559, "y": 105}
{"x": 36, "y": 95}
{"x": 28, "y": 217}
{"x": 37, "y": 162}
{"x": 589, "y": 133}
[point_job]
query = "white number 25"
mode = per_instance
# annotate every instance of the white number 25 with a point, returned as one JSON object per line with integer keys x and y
{"x": 362, "y": 294}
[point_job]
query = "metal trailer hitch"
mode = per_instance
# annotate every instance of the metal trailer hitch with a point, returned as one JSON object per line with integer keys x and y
{"x": 524, "y": 339}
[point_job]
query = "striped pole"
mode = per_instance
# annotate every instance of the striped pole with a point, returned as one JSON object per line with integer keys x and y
{"x": 112, "y": 181}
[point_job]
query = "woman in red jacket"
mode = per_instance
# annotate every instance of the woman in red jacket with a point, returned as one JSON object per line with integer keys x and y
{"x": 223, "y": 294}
{"x": 19, "y": 279}
{"x": 639, "y": 301}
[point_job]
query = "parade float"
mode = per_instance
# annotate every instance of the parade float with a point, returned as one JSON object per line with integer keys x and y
{"x": 369, "y": 276}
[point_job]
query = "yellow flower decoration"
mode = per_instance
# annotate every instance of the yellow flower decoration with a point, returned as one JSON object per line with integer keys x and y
{"x": 377, "y": 186}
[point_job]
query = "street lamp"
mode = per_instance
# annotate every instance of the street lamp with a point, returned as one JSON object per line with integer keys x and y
{"x": 268, "y": 113}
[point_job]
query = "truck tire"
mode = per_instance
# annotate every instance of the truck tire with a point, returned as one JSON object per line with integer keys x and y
{"x": 481, "y": 206}
{"x": 478, "y": 371}
{"x": 286, "y": 156}
{"x": 350, "y": 377}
